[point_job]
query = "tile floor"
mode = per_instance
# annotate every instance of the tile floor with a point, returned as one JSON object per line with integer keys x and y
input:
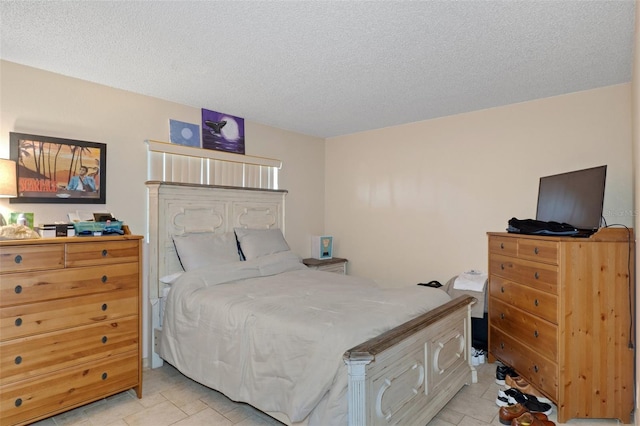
{"x": 169, "y": 398}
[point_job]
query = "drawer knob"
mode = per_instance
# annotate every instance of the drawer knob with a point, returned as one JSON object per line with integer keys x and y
{"x": 535, "y": 333}
{"x": 104, "y": 339}
{"x": 18, "y": 322}
{"x": 104, "y": 252}
{"x": 104, "y": 306}
{"x": 535, "y": 302}
{"x": 536, "y": 275}
{"x": 502, "y": 246}
{"x": 104, "y": 376}
{"x": 502, "y": 289}
{"x": 18, "y": 259}
{"x": 18, "y": 402}
{"x": 104, "y": 279}
{"x": 501, "y": 345}
{"x": 18, "y": 360}
{"x": 535, "y": 368}
{"x": 502, "y": 266}
{"x": 535, "y": 250}
{"x": 501, "y": 316}
{"x": 18, "y": 289}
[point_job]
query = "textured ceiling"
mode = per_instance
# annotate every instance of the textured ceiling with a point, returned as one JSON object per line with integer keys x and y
{"x": 328, "y": 68}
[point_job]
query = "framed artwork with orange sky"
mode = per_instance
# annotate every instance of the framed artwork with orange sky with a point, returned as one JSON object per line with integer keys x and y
{"x": 55, "y": 170}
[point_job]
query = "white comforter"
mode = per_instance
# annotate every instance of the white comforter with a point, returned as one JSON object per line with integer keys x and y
{"x": 271, "y": 332}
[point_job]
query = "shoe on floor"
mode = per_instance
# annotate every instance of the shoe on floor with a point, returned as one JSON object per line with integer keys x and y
{"x": 525, "y": 387}
{"x": 477, "y": 357}
{"x": 502, "y": 371}
{"x": 502, "y": 401}
{"x": 514, "y": 396}
{"x": 529, "y": 419}
{"x": 510, "y": 412}
{"x": 475, "y": 360}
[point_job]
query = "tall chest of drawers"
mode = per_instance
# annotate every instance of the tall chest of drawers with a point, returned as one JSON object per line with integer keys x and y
{"x": 70, "y": 323}
{"x": 560, "y": 314}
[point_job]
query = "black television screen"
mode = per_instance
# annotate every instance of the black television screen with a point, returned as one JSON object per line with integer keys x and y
{"x": 575, "y": 198}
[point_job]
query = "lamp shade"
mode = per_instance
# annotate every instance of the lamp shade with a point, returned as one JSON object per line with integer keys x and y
{"x": 8, "y": 187}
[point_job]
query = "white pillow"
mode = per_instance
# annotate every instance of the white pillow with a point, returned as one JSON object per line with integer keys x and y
{"x": 171, "y": 278}
{"x": 206, "y": 248}
{"x": 256, "y": 243}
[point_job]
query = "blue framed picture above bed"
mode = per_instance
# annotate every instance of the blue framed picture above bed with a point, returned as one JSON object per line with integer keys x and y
{"x": 322, "y": 247}
{"x": 186, "y": 134}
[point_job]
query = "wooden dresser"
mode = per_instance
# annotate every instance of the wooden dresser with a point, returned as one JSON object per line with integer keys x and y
{"x": 70, "y": 323}
{"x": 560, "y": 315}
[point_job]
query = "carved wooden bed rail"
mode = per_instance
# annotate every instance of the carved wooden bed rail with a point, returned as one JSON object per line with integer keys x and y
{"x": 407, "y": 374}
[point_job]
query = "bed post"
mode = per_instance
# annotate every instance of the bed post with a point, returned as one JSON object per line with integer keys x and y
{"x": 153, "y": 262}
{"x": 357, "y": 366}
{"x": 474, "y": 372}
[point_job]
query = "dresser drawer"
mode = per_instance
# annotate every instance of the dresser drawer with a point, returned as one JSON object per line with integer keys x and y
{"x": 30, "y": 287}
{"x": 28, "y": 400}
{"x": 503, "y": 245}
{"x": 537, "y": 370}
{"x": 41, "y": 317}
{"x": 31, "y": 257}
{"x": 101, "y": 253}
{"x": 31, "y": 356}
{"x": 539, "y": 303}
{"x": 540, "y": 276}
{"x": 539, "y": 335}
{"x": 538, "y": 250}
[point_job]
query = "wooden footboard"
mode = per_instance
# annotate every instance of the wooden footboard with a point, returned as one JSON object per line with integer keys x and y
{"x": 406, "y": 375}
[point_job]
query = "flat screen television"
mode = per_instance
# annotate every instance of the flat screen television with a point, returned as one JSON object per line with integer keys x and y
{"x": 574, "y": 197}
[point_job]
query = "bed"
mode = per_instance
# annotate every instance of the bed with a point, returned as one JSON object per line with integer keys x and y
{"x": 267, "y": 330}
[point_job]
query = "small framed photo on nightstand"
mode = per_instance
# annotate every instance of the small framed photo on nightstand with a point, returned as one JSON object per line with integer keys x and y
{"x": 322, "y": 247}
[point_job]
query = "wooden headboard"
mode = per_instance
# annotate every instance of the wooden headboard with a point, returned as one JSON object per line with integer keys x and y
{"x": 179, "y": 208}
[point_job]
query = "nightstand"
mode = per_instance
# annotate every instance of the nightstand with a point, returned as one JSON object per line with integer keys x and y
{"x": 335, "y": 264}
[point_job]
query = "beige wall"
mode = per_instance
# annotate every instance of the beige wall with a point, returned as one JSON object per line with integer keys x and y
{"x": 42, "y": 103}
{"x": 413, "y": 203}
